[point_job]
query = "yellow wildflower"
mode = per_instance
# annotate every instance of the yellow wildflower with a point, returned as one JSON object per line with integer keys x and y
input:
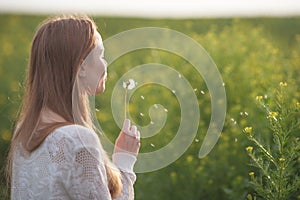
{"x": 281, "y": 159}
{"x": 248, "y": 129}
{"x": 249, "y": 149}
{"x": 251, "y": 174}
{"x": 283, "y": 84}
{"x": 259, "y": 98}
{"x": 272, "y": 115}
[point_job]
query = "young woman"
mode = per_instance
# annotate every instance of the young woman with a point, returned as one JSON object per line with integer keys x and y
{"x": 55, "y": 152}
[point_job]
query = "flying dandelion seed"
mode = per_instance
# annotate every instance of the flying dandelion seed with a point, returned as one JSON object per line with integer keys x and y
{"x": 233, "y": 121}
{"x": 223, "y": 84}
{"x": 152, "y": 145}
{"x": 196, "y": 140}
{"x": 195, "y": 90}
{"x": 179, "y": 75}
{"x": 142, "y": 114}
{"x": 202, "y": 92}
{"x": 246, "y": 113}
{"x": 155, "y": 106}
{"x": 166, "y": 110}
{"x": 173, "y": 91}
{"x": 235, "y": 140}
{"x": 151, "y": 122}
{"x": 97, "y": 110}
{"x": 241, "y": 113}
{"x": 142, "y": 97}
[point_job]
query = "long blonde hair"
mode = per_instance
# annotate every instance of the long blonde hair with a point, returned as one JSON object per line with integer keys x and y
{"x": 58, "y": 49}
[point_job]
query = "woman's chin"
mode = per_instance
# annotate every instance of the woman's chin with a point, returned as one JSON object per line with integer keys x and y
{"x": 100, "y": 89}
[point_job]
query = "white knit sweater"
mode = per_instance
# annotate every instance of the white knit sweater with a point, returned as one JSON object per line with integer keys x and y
{"x": 68, "y": 165}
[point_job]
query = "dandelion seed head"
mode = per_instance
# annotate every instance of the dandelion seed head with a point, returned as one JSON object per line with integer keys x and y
{"x": 124, "y": 85}
{"x": 129, "y": 85}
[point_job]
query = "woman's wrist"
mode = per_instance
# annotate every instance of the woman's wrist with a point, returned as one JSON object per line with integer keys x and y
{"x": 124, "y": 161}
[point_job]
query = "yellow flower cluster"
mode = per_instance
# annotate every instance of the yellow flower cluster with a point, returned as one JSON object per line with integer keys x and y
{"x": 248, "y": 129}
{"x": 283, "y": 84}
{"x": 272, "y": 115}
{"x": 259, "y": 98}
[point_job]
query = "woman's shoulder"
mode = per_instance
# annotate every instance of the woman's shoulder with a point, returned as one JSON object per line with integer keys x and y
{"x": 77, "y": 134}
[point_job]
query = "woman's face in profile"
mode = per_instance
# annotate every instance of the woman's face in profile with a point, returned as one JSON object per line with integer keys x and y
{"x": 95, "y": 67}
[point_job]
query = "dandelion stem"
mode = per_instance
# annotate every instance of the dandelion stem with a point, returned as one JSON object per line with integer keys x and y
{"x": 125, "y": 104}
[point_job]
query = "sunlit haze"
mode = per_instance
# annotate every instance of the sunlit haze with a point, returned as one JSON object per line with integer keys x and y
{"x": 157, "y": 8}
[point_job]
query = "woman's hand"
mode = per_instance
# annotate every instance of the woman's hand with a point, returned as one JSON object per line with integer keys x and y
{"x": 128, "y": 140}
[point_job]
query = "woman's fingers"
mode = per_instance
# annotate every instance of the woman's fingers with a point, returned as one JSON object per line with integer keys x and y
{"x": 130, "y": 130}
{"x": 138, "y": 135}
{"x": 126, "y": 126}
{"x": 129, "y": 139}
{"x": 133, "y": 130}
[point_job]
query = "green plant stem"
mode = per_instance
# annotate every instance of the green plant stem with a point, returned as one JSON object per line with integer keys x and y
{"x": 279, "y": 184}
{"x": 264, "y": 150}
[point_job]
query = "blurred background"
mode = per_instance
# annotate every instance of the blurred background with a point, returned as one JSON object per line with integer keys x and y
{"x": 255, "y": 44}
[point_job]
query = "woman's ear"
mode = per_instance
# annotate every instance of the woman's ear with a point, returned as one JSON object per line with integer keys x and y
{"x": 82, "y": 70}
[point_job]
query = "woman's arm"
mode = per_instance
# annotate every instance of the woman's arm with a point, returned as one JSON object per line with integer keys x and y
{"x": 126, "y": 149}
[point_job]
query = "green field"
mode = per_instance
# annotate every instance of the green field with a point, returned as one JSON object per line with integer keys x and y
{"x": 253, "y": 56}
